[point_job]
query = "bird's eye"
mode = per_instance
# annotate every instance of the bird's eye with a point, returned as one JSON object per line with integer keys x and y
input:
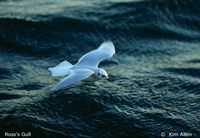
{"x": 98, "y": 73}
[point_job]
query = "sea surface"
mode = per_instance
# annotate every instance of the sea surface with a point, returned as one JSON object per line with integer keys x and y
{"x": 155, "y": 73}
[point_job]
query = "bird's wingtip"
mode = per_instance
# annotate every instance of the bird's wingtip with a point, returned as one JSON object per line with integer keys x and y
{"x": 54, "y": 89}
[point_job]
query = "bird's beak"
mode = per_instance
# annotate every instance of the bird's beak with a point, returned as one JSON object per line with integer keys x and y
{"x": 108, "y": 79}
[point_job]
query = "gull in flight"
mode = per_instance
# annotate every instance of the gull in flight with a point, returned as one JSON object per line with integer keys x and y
{"x": 86, "y": 68}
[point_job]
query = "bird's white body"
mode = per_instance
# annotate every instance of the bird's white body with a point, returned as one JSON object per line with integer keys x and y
{"x": 93, "y": 77}
{"x": 85, "y": 68}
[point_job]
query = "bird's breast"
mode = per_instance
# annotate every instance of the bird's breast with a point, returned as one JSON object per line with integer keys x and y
{"x": 92, "y": 78}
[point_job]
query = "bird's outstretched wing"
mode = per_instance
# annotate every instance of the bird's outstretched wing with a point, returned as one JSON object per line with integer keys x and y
{"x": 75, "y": 75}
{"x": 93, "y": 58}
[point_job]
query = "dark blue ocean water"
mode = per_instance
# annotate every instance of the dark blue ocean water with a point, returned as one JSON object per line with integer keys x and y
{"x": 155, "y": 74}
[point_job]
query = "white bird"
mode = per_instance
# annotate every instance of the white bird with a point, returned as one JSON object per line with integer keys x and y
{"x": 85, "y": 68}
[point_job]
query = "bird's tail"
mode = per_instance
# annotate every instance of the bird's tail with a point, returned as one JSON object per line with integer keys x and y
{"x": 61, "y": 69}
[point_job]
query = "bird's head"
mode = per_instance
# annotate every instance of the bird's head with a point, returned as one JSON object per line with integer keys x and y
{"x": 102, "y": 74}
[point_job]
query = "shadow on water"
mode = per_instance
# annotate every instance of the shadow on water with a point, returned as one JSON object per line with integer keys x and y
{"x": 30, "y": 86}
{"x": 10, "y": 72}
{"x": 193, "y": 72}
{"x": 24, "y": 49}
{"x": 5, "y": 96}
{"x": 5, "y": 73}
{"x": 195, "y": 61}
